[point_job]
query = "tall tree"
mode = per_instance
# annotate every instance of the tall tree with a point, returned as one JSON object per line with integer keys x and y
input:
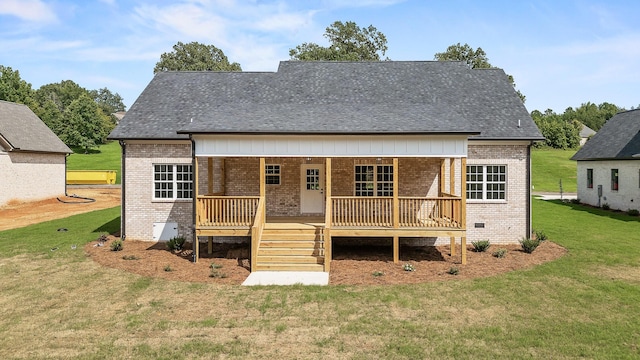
{"x": 14, "y": 89}
{"x": 475, "y": 59}
{"x": 84, "y": 124}
{"x": 195, "y": 56}
{"x": 108, "y": 102}
{"x": 348, "y": 42}
{"x": 62, "y": 94}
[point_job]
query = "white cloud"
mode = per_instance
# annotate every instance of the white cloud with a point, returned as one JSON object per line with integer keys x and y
{"x": 29, "y": 10}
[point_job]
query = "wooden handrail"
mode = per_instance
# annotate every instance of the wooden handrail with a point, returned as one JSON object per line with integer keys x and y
{"x": 256, "y": 231}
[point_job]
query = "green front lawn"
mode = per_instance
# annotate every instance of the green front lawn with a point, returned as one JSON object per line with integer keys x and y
{"x": 104, "y": 157}
{"x": 549, "y": 166}
{"x": 60, "y": 304}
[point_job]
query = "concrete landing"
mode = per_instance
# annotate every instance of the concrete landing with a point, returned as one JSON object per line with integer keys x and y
{"x": 287, "y": 278}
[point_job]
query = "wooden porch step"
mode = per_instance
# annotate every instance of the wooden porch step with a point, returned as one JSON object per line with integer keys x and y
{"x": 283, "y": 251}
{"x": 278, "y": 235}
{"x": 289, "y": 267}
{"x": 290, "y": 259}
{"x": 289, "y": 244}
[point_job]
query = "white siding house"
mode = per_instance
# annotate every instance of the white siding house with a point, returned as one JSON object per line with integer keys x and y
{"x": 609, "y": 164}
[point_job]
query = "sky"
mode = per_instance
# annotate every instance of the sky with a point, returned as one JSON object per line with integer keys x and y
{"x": 561, "y": 53}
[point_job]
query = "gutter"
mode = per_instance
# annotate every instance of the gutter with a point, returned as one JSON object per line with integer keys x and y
{"x": 123, "y": 198}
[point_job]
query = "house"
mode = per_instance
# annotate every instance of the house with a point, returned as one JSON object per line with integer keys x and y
{"x": 585, "y": 133}
{"x": 32, "y": 157}
{"x": 422, "y": 152}
{"x": 609, "y": 164}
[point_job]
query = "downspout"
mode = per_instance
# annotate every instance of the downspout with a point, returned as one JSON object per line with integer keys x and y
{"x": 66, "y": 194}
{"x": 529, "y": 221}
{"x": 194, "y": 197}
{"x": 123, "y": 202}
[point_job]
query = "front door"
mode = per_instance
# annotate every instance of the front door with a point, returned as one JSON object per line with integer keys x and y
{"x": 312, "y": 188}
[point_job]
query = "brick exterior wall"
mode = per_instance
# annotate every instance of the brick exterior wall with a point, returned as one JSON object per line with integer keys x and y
{"x": 141, "y": 211}
{"x": 31, "y": 176}
{"x": 505, "y": 222}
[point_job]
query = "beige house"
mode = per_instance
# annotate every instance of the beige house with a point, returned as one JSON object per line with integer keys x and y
{"x": 32, "y": 157}
{"x": 417, "y": 152}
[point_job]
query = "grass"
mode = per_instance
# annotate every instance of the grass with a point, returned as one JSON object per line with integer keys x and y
{"x": 549, "y": 166}
{"x": 583, "y": 305}
{"x": 105, "y": 157}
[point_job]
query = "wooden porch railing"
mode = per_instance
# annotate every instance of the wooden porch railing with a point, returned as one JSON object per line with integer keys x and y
{"x": 231, "y": 211}
{"x": 256, "y": 231}
{"x": 356, "y": 211}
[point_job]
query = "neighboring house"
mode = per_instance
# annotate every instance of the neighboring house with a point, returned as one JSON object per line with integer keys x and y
{"x": 609, "y": 164}
{"x": 585, "y": 133}
{"x": 32, "y": 157}
{"x": 433, "y": 151}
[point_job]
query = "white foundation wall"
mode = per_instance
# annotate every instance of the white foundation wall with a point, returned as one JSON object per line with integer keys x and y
{"x": 141, "y": 210}
{"x": 628, "y": 194}
{"x": 31, "y": 176}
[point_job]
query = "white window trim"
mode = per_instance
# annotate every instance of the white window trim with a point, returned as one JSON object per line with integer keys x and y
{"x": 484, "y": 185}
{"x": 174, "y": 182}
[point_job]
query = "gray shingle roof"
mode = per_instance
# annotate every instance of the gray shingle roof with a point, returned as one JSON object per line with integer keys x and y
{"x": 334, "y": 98}
{"x": 619, "y": 138}
{"x": 24, "y": 131}
{"x": 586, "y": 131}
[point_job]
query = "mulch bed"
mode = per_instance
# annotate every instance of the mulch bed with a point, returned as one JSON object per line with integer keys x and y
{"x": 351, "y": 265}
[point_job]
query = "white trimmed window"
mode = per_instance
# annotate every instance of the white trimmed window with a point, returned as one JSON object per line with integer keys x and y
{"x": 272, "y": 174}
{"x": 373, "y": 180}
{"x": 172, "y": 181}
{"x": 486, "y": 182}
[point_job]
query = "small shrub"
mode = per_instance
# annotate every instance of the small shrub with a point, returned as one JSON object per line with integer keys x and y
{"x": 130, "y": 257}
{"x": 168, "y": 268}
{"x": 377, "y": 273}
{"x": 633, "y": 212}
{"x": 215, "y": 266}
{"x": 408, "y": 267}
{"x": 606, "y": 206}
{"x": 575, "y": 201}
{"x": 540, "y": 235}
{"x": 481, "y": 245}
{"x": 215, "y": 273}
{"x": 176, "y": 243}
{"x": 117, "y": 245}
{"x": 529, "y": 245}
{"x": 453, "y": 270}
{"x": 500, "y": 253}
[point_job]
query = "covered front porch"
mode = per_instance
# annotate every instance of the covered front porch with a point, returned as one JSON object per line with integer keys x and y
{"x": 370, "y": 197}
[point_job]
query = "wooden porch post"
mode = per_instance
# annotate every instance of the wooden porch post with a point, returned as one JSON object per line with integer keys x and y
{"x": 463, "y": 210}
{"x": 196, "y": 243}
{"x": 262, "y": 177}
{"x": 452, "y": 185}
{"x": 441, "y": 177}
{"x": 210, "y": 192}
{"x": 396, "y": 212}
{"x": 327, "y": 216}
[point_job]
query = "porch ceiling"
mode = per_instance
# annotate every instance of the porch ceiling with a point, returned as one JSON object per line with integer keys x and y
{"x": 331, "y": 145}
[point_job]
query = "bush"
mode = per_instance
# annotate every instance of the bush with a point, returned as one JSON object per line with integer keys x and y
{"x": 176, "y": 243}
{"x": 605, "y": 206}
{"x": 215, "y": 273}
{"x": 500, "y": 253}
{"x": 117, "y": 245}
{"x": 633, "y": 212}
{"x": 453, "y": 270}
{"x": 575, "y": 201}
{"x": 408, "y": 267}
{"x": 540, "y": 235}
{"x": 130, "y": 257}
{"x": 480, "y": 246}
{"x": 529, "y": 245}
{"x": 377, "y": 273}
{"x": 168, "y": 268}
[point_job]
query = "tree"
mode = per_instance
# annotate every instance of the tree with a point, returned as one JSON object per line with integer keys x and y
{"x": 62, "y": 94}
{"x": 195, "y": 56}
{"x": 108, "y": 102}
{"x": 475, "y": 59}
{"x": 348, "y": 42}
{"x": 14, "y": 89}
{"x": 84, "y": 124}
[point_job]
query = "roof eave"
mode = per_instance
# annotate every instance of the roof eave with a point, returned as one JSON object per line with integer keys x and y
{"x": 198, "y": 132}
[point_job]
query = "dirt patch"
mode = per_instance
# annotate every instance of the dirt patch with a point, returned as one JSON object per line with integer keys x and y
{"x": 353, "y": 265}
{"x": 20, "y": 214}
